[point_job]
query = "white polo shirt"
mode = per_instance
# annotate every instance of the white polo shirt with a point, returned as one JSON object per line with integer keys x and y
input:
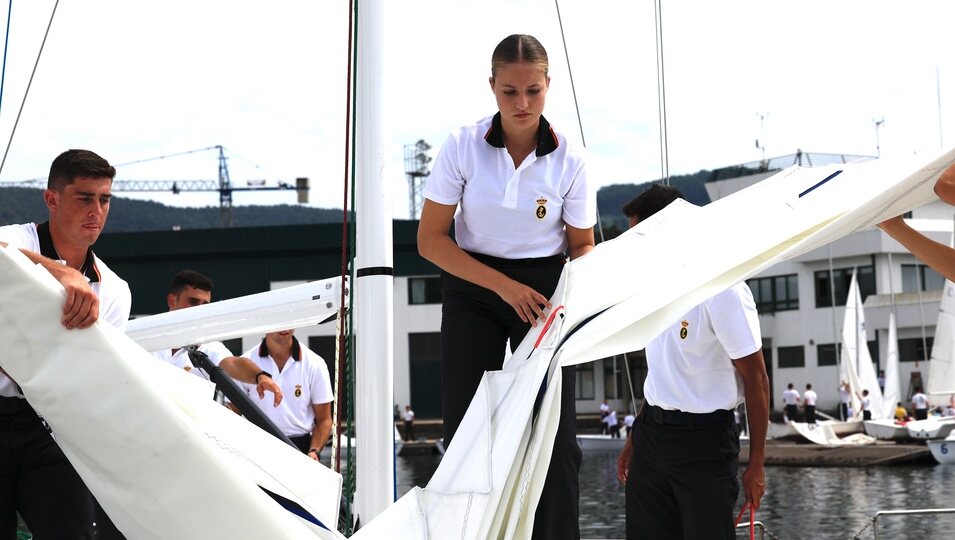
{"x": 180, "y": 358}
{"x": 920, "y": 401}
{"x": 689, "y": 365}
{"x": 810, "y": 397}
{"x": 509, "y": 212}
{"x": 304, "y": 381}
{"x": 115, "y": 300}
{"x": 790, "y": 396}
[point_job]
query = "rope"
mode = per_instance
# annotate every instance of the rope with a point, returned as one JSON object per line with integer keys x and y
{"x": 661, "y": 94}
{"x": 346, "y": 359}
{"x": 29, "y": 84}
{"x": 870, "y": 523}
{"x": 6, "y": 42}
{"x": 752, "y": 518}
{"x": 573, "y": 89}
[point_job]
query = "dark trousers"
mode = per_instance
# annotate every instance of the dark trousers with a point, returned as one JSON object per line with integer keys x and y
{"x": 810, "y": 414}
{"x": 475, "y": 327}
{"x": 792, "y": 412}
{"x": 843, "y": 411}
{"x": 921, "y": 414}
{"x": 683, "y": 481}
{"x": 302, "y": 442}
{"x": 38, "y": 481}
{"x": 409, "y": 430}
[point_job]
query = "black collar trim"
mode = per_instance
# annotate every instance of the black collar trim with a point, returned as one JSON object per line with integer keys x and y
{"x": 48, "y": 250}
{"x": 296, "y": 349}
{"x": 546, "y": 138}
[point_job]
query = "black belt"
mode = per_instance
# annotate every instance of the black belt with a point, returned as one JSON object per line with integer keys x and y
{"x": 10, "y": 406}
{"x": 680, "y": 418}
{"x": 496, "y": 262}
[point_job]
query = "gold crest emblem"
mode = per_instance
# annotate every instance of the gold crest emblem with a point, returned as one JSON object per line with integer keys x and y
{"x": 541, "y": 208}
{"x": 683, "y": 331}
{"x": 187, "y": 368}
{"x": 298, "y": 390}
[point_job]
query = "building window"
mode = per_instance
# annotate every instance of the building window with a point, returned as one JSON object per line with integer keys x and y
{"x": 776, "y": 293}
{"x": 843, "y": 276}
{"x": 585, "y": 381}
{"x": 913, "y": 350}
{"x": 826, "y": 354}
{"x": 918, "y": 277}
{"x": 790, "y": 357}
{"x": 614, "y": 382}
{"x": 424, "y": 290}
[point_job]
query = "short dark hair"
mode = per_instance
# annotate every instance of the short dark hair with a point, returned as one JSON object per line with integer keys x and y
{"x": 190, "y": 278}
{"x": 790, "y": 386}
{"x": 73, "y": 164}
{"x": 808, "y": 386}
{"x": 651, "y": 201}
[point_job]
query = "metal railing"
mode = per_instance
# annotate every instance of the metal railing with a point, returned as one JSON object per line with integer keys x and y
{"x": 763, "y": 533}
{"x": 874, "y": 520}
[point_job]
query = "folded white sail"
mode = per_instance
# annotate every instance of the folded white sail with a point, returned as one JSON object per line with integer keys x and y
{"x": 163, "y": 458}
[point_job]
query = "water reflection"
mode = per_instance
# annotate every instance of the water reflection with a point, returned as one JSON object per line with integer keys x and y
{"x": 801, "y": 502}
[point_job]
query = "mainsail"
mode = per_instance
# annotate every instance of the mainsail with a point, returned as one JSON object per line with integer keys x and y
{"x": 941, "y": 368}
{"x": 856, "y": 366}
{"x": 892, "y": 393}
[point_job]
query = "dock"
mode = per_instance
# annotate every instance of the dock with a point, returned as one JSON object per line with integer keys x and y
{"x": 788, "y": 453}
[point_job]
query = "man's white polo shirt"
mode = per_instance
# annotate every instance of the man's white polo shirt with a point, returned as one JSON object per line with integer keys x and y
{"x": 509, "y": 212}
{"x": 689, "y": 366}
{"x": 304, "y": 381}
{"x": 115, "y": 300}
{"x": 810, "y": 397}
{"x": 180, "y": 358}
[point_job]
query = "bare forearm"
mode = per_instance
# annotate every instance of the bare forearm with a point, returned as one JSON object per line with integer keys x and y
{"x": 935, "y": 254}
{"x": 446, "y": 255}
{"x": 323, "y": 429}
{"x": 240, "y": 368}
{"x": 757, "y": 414}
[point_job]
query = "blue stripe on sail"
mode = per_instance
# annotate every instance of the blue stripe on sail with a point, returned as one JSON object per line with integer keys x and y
{"x": 826, "y": 179}
{"x": 294, "y": 508}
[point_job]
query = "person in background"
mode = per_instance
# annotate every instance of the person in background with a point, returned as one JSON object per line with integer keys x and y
{"x": 189, "y": 289}
{"x": 920, "y": 404}
{"x": 305, "y": 415}
{"x": 901, "y": 415}
{"x": 612, "y": 424}
{"x": 604, "y": 411}
{"x": 866, "y": 404}
{"x": 938, "y": 256}
{"x": 628, "y": 421}
{"x": 844, "y": 396}
{"x": 517, "y": 193}
{"x": 882, "y": 381}
{"x": 809, "y": 402}
{"x": 680, "y": 463}
{"x": 36, "y": 478}
{"x": 408, "y": 418}
{"x": 791, "y": 402}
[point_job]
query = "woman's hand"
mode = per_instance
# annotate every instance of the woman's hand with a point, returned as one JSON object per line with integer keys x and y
{"x": 529, "y": 304}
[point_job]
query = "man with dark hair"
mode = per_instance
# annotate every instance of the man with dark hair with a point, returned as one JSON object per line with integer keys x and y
{"x": 683, "y": 450}
{"x": 190, "y": 289}
{"x": 36, "y": 479}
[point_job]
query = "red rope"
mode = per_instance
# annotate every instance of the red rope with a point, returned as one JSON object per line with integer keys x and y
{"x": 550, "y": 320}
{"x": 752, "y": 519}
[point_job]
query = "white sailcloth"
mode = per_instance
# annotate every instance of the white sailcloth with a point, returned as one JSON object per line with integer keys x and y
{"x": 941, "y": 368}
{"x": 614, "y": 300}
{"x": 163, "y": 458}
{"x": 856, "y": 364}
{"x": 892, "y": 394}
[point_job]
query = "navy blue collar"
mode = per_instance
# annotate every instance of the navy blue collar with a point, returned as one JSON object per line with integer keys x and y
{"x": 546, "y": 138}
{"x": 296, "y": 349}
{"x": 48, "y": 250}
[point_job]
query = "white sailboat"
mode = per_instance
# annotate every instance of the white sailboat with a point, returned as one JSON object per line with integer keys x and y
{"x": 941, "y": 370}
{"x": 856, "y": 366}
{"x": 888, "y": 428}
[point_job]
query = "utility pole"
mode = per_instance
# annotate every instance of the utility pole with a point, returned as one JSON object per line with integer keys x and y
{"x": 416, "y": 167}
{"x": 878, "y": 123}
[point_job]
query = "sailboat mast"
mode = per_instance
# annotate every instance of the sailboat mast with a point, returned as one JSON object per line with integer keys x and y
{"x": 374, "y": 278}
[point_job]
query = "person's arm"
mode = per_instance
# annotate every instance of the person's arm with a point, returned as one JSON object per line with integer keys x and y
{"x": 752, "y": 370}
{"x": 82, "y": 305}
{"x": 945, "y": 186}
{"x": 244, "y": 369}
{"x": 435, "y": 245}
{"x": 623, "y": 460}
{"x": 579, "y": 241}
{"x": 323, "y": 428}
{"x": 938, "y": 256}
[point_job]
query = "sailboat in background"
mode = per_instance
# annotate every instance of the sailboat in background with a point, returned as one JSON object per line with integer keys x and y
{"x": 941, "y": 370}
{"x": 856, "y": 366}
{"x": 888, "y": 428}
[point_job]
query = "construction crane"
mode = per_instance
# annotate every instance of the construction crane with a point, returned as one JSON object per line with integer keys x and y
{"x": 223, "y": 185}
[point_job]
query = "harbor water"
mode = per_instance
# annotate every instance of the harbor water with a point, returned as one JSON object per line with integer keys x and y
{"x": 800, "y": 502}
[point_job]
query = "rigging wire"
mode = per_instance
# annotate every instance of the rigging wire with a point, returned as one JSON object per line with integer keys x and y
{"x": 573, "y": 89}
{"x": 661, "y": 95}
{"x": 30, "y": 83}
{"x": 6, "y": 43}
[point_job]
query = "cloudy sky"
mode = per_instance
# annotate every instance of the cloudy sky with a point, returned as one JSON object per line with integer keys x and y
{"x": 266, "y": 80}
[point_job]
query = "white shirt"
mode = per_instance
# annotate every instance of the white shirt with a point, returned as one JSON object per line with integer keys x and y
{"x": 865, "y": 403}
{"x": 689, "y": 365}
{"x": 509, "y": 212}
{"x": 304, "y": 382}
{"x": 611, "y": 418}
{"x": 629, "y": 419}
{"x": 790, "y": 396}
{"x": 215, "y": 349}
{"x": 115, "y": 300}
{"x": 810, "y": 397}
{"x": 408, "y": 415}
{"x": 920, "y": 401}
{"x": 604, "y": 408}
{"x": 844, "y": 395}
